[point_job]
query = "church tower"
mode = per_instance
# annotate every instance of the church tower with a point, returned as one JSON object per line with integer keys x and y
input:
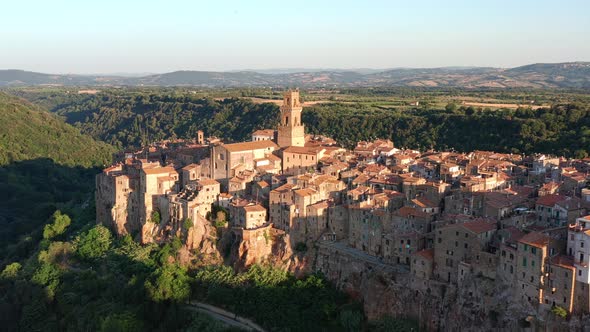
{"x": 291, "y": 131}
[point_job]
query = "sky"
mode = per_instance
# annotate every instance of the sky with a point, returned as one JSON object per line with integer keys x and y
{"x": 129, "y": 36}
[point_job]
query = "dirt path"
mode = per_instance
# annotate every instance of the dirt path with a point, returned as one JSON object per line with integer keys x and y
{"x": 469, "y": 103}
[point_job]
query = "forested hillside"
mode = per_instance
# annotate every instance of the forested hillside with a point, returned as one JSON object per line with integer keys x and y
{"x": 29, "y": 132}
{"x": 130, "y": 120}
{"x": 134, "y": 120}
{"x": 45, "y": 164}
{"x": 560, "y": 130}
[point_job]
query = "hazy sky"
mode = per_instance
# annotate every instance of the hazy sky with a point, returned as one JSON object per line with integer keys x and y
{"x": 109, "y": 36}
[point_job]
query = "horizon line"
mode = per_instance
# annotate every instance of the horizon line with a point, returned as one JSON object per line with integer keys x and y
{"x": 278, "y": 69}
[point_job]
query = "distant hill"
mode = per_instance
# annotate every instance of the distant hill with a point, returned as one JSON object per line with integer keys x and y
{"x": 29, "y": 132}
{"x": 550, "y": 75}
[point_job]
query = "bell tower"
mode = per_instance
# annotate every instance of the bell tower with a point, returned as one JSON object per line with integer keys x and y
{"x": 291, "y": 132}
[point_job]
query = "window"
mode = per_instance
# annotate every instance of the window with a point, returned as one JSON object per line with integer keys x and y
{"x": 582, "y": 244}
{"x": 579, "y": 272}
{"x": 533, "y": 263}
{"x": 524, "y": 261}
{"x": 533, "y": 250}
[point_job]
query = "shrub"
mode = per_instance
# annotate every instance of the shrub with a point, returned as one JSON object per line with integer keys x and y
{"x": 559, "y": 311}
{"x": 58, "y": 226}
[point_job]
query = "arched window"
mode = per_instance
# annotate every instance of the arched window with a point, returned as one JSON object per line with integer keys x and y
{"x": 286, "y": 120}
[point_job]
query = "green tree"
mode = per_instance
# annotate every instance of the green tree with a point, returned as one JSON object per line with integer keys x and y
{"x": 169, "y": 283}
{"x": 451, "y": 107}
{"x": 11, "y": 271}
{"x": 94, "y": 244}
{"x": 121, "y": 322}
{"x": 58, "y": 226}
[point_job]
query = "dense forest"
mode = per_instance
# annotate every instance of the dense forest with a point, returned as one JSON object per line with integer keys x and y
{"x": 560, "y": 129}
{"x": 135, "y": 118}
{"x": 86, "y": 280}
{"x": 131, "y": 120}
{"x": 45, "y": 164}
{"x": 28, "y": 132}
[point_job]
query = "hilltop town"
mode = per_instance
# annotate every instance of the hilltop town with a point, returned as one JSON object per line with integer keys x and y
{"x": 434, "y": 222}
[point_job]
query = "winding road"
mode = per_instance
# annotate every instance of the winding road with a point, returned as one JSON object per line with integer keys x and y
{"x": 225, "y": 316}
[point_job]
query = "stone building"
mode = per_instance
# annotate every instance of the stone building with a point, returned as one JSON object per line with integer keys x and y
{"x": 228, "y": 159}
{"x": 249, "y": 216}
{"x": 458, "y": 243}
{"x": 533, "y": 254}
{"x": 291, "y": 131}
{"x": 263, "y": 135}
{"x": 117, "y": 199}
{"x": 300, "y": 159}
{"x": 422, "y": 264}
{"x": 194, "y": 199}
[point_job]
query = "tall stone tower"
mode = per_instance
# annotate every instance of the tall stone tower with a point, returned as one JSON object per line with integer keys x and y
{"x": 291, "y": 132}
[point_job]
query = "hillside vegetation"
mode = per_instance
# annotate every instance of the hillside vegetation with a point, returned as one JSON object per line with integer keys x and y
{"x": 133, "y": 119}
{"x": 28, "y": 132}
{"x": 45, "y": 164}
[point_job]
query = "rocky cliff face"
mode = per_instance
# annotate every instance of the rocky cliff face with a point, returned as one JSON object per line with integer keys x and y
{"x": 479, "y": 304}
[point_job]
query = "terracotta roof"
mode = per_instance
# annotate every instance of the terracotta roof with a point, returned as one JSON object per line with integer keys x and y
{"x": 190, "y": 166}
{"x": 208, "y": 182}
{"x": 262, "y": 184}
{"x": 319, "y": 205}
{"x": 514, "y": 234}
{"x": 254, "y": 208}
{"x": 248, "y": 146}
{"x": 305, "y": 192}
{"x": 159, "y": 170}
{"x": 304, "y": 150}
{"x": 424, "y": 202}
{"x": 272, "y": 157}
{"x": 426, "y": 253}
{"x": 550, "y": 185}
{"x": 535, "y": 239}
{"x": 264, "y": 132}
{"x": 550, "y": 200}
{"x": 478, "y": 227}
{"x": 284, "y": 188}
